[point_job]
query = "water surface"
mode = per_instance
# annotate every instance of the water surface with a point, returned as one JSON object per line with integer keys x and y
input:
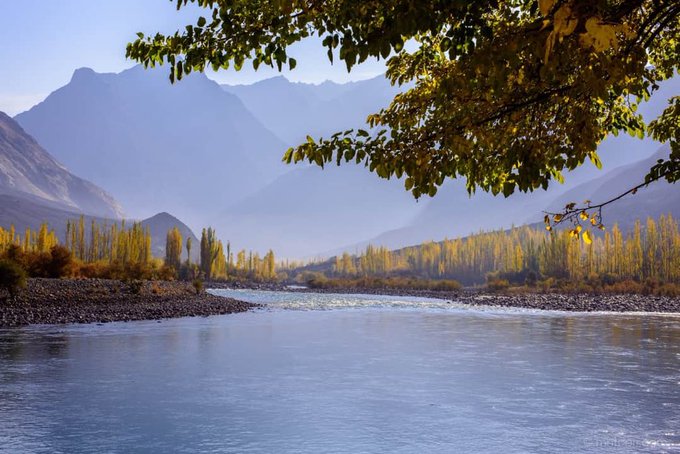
{"x": 346, "y": 373}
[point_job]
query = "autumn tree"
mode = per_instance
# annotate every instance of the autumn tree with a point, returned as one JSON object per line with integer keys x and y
{"x": 173, "y": 248}
{"x": 209, "y": 251}
{"x": 506, "y": 94}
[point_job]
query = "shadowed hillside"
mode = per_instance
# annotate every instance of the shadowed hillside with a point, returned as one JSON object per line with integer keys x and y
{"x": 29, "y": 172}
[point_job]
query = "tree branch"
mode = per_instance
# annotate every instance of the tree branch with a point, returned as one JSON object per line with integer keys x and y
{"x": 572, "y": 212}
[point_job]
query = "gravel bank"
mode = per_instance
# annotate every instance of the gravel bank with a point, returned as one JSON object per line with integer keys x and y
{"x": 545, "y": 301}
{"x": 55, "y": 301}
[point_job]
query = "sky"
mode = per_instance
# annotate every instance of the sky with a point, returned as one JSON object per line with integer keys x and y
{"x": 44, "y": 41}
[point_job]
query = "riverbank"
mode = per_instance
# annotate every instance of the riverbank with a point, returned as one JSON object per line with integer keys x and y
{"x": 61, "y": 301}
{"x": 572, "y": 302}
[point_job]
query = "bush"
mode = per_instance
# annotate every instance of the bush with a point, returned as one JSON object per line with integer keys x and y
{"x": 547, "y": 284}
{"x": 60, "y": 263}
{"x": 446, "y": 285}
{"x": 189, "y": 272}
{"x": 498, "y": 285}
{"x": 12, "y": 277}
{"x": 531, "y": 279}
{"x": 35, "y": 263}
{"x": 198, "y": 286}
{"x": 166, "y": 273}
{"x": 16, "y": 255}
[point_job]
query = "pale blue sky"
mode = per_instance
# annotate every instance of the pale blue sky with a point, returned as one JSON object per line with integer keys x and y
{"x": 44, "y": 41}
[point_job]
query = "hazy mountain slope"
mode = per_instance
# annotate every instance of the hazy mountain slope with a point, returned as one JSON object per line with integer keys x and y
{"x": 310, "y": 210}
{"x": 188, "y": 148}
{"x": 160, "y": 224}
{"x": 293, "y": 110}
{"x": 319, "y": 209}
{"x": 24, "y": 213}
{"x": 27, "y": 170}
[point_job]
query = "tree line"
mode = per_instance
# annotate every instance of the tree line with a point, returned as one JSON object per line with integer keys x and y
{"x": 217, "y": 262}
{"x": 651, "y": 250}
{"x": 123, "y": 251}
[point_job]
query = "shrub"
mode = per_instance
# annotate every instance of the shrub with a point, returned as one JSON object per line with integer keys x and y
{"x": 60, "y": 263}
{"x": 198, "y": 286}
{"x": 531, "y": 279}
{"x": 97, "y": 270}
{"x": 498, "y": 285}
{"x": 36, "y": 263}
{"x": 12, "y": 277}
{"x": 446, "y": 285}
{"x": 16, "y": 255}
{"x": 189, "y": 272}
{"x": 166, "y": 273}
{"x": 547, "y": 284}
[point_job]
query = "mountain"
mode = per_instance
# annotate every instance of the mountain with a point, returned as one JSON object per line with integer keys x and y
{"x": 188, "y": 148}
{"x": 315, "y": 212}
{"x": 160, "y": 224}
{"x": 211, "y": 155}
{"x": 29, "y": 172}
{"x": 35, "y": 188}
{"x": 310, "y": 210}
{"x": 292, "y": 110}
{"x": 24, "y": 213}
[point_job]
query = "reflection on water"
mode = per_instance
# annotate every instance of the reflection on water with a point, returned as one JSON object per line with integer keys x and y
{"x": 396, "y": 375}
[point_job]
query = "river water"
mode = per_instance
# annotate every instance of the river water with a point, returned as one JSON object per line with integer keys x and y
{"x": 347, "y": 374}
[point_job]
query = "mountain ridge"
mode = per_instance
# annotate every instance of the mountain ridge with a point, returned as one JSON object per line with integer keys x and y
{"x": 27, "y": 169}
{"x": 186, "y": 148}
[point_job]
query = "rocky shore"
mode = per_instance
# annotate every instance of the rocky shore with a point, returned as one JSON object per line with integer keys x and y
{"x": 55, "y": 301}
{"x": 574, "y": 302}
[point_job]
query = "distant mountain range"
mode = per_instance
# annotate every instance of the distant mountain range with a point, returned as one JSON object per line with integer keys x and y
{"x": 310, "y": 209}
{"x": 211, "y": 155}
{"x": 189, "y": 149}
{"x": 293, "y": 110}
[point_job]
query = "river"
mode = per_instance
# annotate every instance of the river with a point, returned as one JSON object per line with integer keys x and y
{"x": 314, "y": 373}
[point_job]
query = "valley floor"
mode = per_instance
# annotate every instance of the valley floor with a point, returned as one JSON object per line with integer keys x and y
{"x": 61, "y": 301}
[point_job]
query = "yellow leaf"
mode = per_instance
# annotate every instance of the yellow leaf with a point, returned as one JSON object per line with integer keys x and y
{"x": 557, "y": 217}
{"x": 587, "y": 238}
{"x": 564, "y": 22}
{"x": 520, "y": 76}
{"x": 599, "y": 35}
{"x": 545, "y": 6}
{"x": 593, "y": 221}
{"x": 584, "y": 215}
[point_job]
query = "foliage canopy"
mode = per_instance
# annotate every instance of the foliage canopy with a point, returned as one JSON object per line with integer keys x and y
{"x": 506, "y": 94}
